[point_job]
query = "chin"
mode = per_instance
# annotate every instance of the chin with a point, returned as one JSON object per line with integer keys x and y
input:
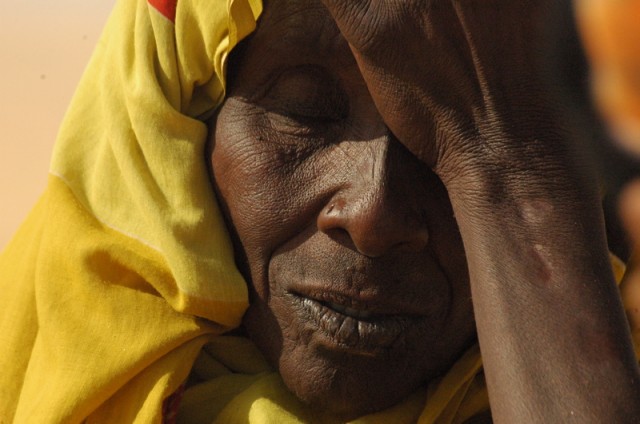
{"x": 348, "y": 386}
{"x": 347, "y": 377}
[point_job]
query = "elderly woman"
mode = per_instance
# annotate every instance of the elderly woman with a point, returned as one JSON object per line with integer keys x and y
{"x": 395, "y": 186}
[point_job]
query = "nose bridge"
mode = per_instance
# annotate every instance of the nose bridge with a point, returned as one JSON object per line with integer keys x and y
{"x": 370, "y": 169}
{"x": 376, "y": 209}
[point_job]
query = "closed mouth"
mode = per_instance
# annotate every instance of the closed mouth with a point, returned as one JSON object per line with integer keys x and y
{"x": 361, "y": 314}
{"x": 353, "y": 327}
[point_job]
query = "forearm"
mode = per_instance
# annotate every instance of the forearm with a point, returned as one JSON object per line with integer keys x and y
{"x": 457, "y": 84}
{"x": 552, "y": 332}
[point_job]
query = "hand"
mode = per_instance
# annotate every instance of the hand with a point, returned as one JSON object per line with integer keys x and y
{"x": 457, "y": 82}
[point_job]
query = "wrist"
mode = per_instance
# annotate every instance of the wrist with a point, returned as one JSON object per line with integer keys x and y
{"x": 497, "y": 175}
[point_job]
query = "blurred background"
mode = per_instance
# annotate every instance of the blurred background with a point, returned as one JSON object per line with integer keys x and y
{"x": 44, "y": 47}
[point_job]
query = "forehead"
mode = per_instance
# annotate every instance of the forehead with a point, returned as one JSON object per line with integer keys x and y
{"x": 292, "y": 22}
{"x": 291, "y": 33}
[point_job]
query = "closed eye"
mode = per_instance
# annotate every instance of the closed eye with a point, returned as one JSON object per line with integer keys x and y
{"x": 307, "y": 96}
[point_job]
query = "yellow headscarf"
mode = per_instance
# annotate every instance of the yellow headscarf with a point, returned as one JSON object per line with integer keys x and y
{"x": 123, "y": 271}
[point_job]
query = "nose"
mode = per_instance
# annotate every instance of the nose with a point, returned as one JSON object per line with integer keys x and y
{"x": 381, "y": 208}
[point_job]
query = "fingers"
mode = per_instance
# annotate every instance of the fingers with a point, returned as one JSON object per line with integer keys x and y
{"x": 371, "y": 25}
{"x": 354, "y": 17}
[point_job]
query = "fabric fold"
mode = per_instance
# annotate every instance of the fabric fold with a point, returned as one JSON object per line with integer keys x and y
{"x": 124, "y": 269}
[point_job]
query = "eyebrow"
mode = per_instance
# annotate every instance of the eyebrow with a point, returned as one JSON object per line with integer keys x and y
{"x": 310, "y": 27}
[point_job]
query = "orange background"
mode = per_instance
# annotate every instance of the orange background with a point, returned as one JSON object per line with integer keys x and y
{"x": 44, "y": 47}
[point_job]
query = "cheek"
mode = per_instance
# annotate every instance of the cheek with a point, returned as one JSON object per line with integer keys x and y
{"x": 269, "y": 190}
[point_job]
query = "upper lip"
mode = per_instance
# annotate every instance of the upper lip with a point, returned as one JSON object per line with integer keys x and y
{"x": 370, "y": 301}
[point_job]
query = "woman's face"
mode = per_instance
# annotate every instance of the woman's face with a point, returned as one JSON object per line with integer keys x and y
{"x": 360, "y": 291}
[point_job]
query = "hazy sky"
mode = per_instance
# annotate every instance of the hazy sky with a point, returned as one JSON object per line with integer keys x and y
{"x": 44, "y": 47}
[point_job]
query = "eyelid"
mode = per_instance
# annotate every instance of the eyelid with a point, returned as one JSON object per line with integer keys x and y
{"x": 320, "y": 97}
{"x": 286, "y": 125}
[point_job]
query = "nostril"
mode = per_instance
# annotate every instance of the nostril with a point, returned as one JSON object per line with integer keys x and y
{"x": 372, "y": 229}
{"x": 337, "y": 222}
{"x": 331, "y": 218}
{"x": 335, "y": 209}
{"x": 379, "y": 241}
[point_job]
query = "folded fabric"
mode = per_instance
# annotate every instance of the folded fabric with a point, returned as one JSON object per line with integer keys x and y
{"x": 124, "y": 269}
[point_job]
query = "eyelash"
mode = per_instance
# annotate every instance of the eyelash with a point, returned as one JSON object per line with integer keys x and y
{"x": 318, "y": 105}
{"x": 288, "y": 123}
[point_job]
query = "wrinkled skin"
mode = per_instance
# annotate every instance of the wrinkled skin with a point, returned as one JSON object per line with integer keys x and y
{"x": 333, "y": 156}
{"x": 473, "y": 84}
{"x": 328, "y": 205}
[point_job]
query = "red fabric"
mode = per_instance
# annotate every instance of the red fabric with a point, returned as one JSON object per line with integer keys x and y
{"x": 166, "y": 7}
{"x": 170, "y": 406}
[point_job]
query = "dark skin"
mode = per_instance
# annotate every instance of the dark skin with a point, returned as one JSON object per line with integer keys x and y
{"x": 329, "y": 208}
{"x": 340, "y": 165}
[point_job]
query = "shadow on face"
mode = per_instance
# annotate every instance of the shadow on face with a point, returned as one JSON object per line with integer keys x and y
{"x": 360, "y": 292}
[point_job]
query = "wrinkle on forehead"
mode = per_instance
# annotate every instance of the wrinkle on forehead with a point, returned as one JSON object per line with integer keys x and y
{"x": 301, "y": 26}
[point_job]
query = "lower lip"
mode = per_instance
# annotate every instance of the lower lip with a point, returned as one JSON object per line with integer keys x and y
{"x": 360, "y": 336}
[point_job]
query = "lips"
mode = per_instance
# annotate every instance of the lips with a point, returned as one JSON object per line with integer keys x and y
{"x": 350, "y": 312}
{"x": 353, "y": 327}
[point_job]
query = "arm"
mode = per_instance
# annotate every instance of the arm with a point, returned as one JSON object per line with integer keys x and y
{"x": 472, "y": 105}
